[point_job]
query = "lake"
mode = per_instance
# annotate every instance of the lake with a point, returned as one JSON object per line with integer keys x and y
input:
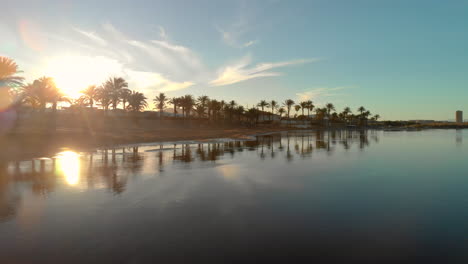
{"x": 349, "y": 196}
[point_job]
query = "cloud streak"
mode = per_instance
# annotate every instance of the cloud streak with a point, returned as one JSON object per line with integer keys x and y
{"x": 241, "y": 71}
{"x": 250, "y": 43}
{"x": 92, "y": 36}
{"x": 317, "y": 93}
{"x": 156, "y": 81}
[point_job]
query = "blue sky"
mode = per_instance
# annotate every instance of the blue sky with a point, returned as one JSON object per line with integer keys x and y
{"x": 401, "y": 59}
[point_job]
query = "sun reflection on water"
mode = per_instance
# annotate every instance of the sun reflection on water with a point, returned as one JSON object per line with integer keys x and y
{"x": 69, "y": 165}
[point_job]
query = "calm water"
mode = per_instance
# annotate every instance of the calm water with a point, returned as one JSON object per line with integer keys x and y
{"x": 354, "y": 196}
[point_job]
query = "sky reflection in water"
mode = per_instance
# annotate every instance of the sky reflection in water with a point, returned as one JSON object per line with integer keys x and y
{"x": 363, "y": 195}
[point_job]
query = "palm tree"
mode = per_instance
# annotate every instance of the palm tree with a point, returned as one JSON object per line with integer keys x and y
{"x": 160, "y": 103}
{"x": 252, "y": 114}
{"x": 115, "y": 86}
{"x": 231, "y": 108}
{"x": 297, "y": 108}
{"x": 361, "y": 109}
{"x": 26, "y": 96}
{"x": 8, "y": 71}
{"x": 376, "y": 117}
{"x": 304, "y": 105}
{"x": 347, "y": 110}
{"x": 43, "y": 91}
{"x": 200, "y": 110}
{"x": 220, "y": 107}
{"x": 90, "y": 95}
{"x": 239, "y": 110}
{"x": 8, "y": 81}
{"x": 55, "y": 95}
{"x": 137, "y": 101}
{"x": 187, "y": 104}
{"x": 310, "y": 107}
{"x": 288, "y": 103}
{"x": 125, "y": 95}
{"x": 367, "y": 114}
{"x": 104, "y": 98}
{"x": 330, "y": 107}
{"x": 345, "y": 113}
{"x": 34, "y": 94}
{"x": 80, "y": 102}
{"x": 320, "y": 113}
{"x": 281, "y": 111}
{"x": 176, "y": 103}
{"x": 273, "y": 105}
{"x": 262, "y": 105}
{"x": 203, "y": 102}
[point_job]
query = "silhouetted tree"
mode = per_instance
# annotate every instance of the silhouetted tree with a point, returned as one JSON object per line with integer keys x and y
{"x": 160, "y": 103}
{"x": 288, "y": 103}
{"x": 136, "y": 101}
{"x": 114, "y": 86}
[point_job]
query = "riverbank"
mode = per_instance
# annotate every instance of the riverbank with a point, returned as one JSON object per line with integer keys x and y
{"x": 28, "y": 144}
{"x": 31, "y": 142}
{"x": 441, "y": 126}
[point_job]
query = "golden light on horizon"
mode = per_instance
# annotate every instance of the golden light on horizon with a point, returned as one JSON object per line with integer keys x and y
{"x": 69, "y": 165}
{"x": 74, "y": 73}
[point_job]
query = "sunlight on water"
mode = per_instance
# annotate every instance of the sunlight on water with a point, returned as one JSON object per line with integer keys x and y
{"x": 69, "y": 165}
{"x": 330, "y": 190}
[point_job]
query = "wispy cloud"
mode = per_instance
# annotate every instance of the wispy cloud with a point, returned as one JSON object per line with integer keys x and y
{"x": 156, "y": 81}
{"x": 92, "y": 36}
{"x": 114, "y": 32}
{"x": 234, "y": 34}
{"x": 169, "y": 46}
{"x": 241, "y": 71}
{"x": 151, "y": 65}
{"x": 250, "y": 43}
{"x": 317, "y": 93}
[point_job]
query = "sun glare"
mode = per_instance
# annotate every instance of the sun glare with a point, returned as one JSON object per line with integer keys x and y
{"x": 73, "y": 74}
{"x": 69, "y": 165}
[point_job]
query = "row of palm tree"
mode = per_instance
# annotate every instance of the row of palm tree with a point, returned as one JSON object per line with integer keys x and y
{"x": 204, "y": 107}
{"x": 111, "y": 94}
{"x": 114, "y": 93}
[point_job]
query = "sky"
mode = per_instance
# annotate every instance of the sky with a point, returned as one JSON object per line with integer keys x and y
{"x": 400, "y": 59}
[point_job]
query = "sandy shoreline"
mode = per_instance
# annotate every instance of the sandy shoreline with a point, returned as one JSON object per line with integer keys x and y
{"x": 32, "y": 143}
{"x": 22, "y": 145}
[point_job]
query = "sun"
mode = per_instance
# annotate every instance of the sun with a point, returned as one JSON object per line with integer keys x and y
{"x": 73, "y": 73}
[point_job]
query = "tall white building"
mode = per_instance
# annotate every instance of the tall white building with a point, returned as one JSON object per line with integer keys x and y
{"x": 459, "y": 116}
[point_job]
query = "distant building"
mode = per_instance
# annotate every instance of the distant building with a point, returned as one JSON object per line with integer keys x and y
{"x": 459, "y": 116}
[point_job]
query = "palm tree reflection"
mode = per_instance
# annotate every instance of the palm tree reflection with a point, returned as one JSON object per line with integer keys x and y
{"x": 105, "y": 169}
